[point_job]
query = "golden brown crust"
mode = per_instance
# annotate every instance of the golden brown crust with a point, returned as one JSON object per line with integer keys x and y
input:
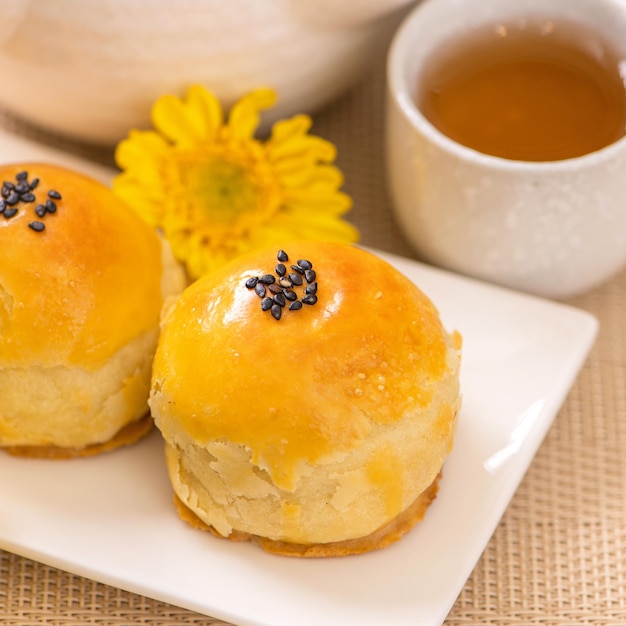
{"x": 60, "y": 295}
{"x": 345, "y": 354}
{"x": 126, "y": 436}
{"x": 320, "y": 424}
{"x": 80, "y": 304}
{"x": 381, "y": 538}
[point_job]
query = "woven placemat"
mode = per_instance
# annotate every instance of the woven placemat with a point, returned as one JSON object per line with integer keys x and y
{"x": 558, "y": 556}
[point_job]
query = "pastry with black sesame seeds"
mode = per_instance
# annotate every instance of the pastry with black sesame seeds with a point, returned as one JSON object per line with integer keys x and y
{"x": 316, "y": 426}
{"x": 82, "y": 283}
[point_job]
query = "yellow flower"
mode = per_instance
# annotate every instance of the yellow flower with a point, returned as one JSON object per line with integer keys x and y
{"x": 216, "y": 191}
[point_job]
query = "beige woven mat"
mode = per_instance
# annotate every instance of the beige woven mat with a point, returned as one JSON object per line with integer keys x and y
{"x": 559, "y": 555}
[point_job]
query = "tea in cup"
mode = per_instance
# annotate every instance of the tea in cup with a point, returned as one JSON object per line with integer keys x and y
{"x": 506, "y": 148}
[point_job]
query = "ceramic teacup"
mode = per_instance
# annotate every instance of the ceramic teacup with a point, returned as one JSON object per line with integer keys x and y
{"x": 552, "y": 228}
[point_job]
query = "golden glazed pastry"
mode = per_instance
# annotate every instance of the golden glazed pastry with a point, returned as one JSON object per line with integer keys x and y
{"x": 82, "y": 282}
{"x": 317, "y": 428}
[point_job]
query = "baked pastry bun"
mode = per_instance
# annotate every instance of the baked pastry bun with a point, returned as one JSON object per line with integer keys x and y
{"x": 307, "y": 403}
{"x": 82, "y": 282}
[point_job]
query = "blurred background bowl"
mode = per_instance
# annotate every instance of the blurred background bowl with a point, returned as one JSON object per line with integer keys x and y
{"x": 92, "y": 70}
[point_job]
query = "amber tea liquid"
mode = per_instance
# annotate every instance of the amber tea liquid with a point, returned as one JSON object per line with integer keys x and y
{"x": 530, "y": 91}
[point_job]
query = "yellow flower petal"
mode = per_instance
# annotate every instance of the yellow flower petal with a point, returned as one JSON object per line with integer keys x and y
{"x": 184, "y": 123}
{"x": 137, "y": 197}
{"x": 208, "y": 109}
{"x": 299, "y": 173}
{"x": 244, "y": 117}
{"x": 169, "y": 118}
{"x": 139, "y": 146}
{"x": 312, "y": 147}
{"x": 304, "y": 205}
{"x": 284, "y": 130}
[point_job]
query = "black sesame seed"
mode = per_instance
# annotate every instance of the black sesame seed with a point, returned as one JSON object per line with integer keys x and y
{"x": 277, "y": 311}
{"x": 37, "y": 226}
{"x": 3, "y": 205}
{"x": 297, "y": 268}
{"x": 267, "y": 279}
{"x": 55, "y": 195}
{"x": 280, "y": 269}
{"x": 280, "y": 300}
{"x": 295, "y": 306}
{"x": 266, "y": 304}
{"x": 5, "y": 192}
{"x": 259, "y": 289}
{"x": 282, "y": 256}
{"x": 40, "y": 209}
{"x": 275, "y": 288}
{"x": 296, "y": 279}
{"x": 22, "y": 187}
{"x": 8, "y": 185}
{"x": 305, "y": 264}
{"x": 9, "y": 213}
{"x": 309, "y": 299}
{"x": 311, "y": 289}
{"x": 34, "y": 183}
{"x": 21, "y": 176}
{"x": 251, "y": 282}
{"x": 51, "y": 207}
{"x": 27, "y": 197}
{"x": 290, "y": 295}
{"x": 310, "y": 275}
{"x": 13, "y": 198}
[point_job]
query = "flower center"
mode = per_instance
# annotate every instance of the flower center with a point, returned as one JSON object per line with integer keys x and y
{"x": 229, "y": 188}
{"x": 223, "y": 190}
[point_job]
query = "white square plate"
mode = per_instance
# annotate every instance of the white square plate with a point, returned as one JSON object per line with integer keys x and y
{"x": 111, "y": 518}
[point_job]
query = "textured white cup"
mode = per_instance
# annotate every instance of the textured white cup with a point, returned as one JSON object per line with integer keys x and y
{"x": 550, "y": 228}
